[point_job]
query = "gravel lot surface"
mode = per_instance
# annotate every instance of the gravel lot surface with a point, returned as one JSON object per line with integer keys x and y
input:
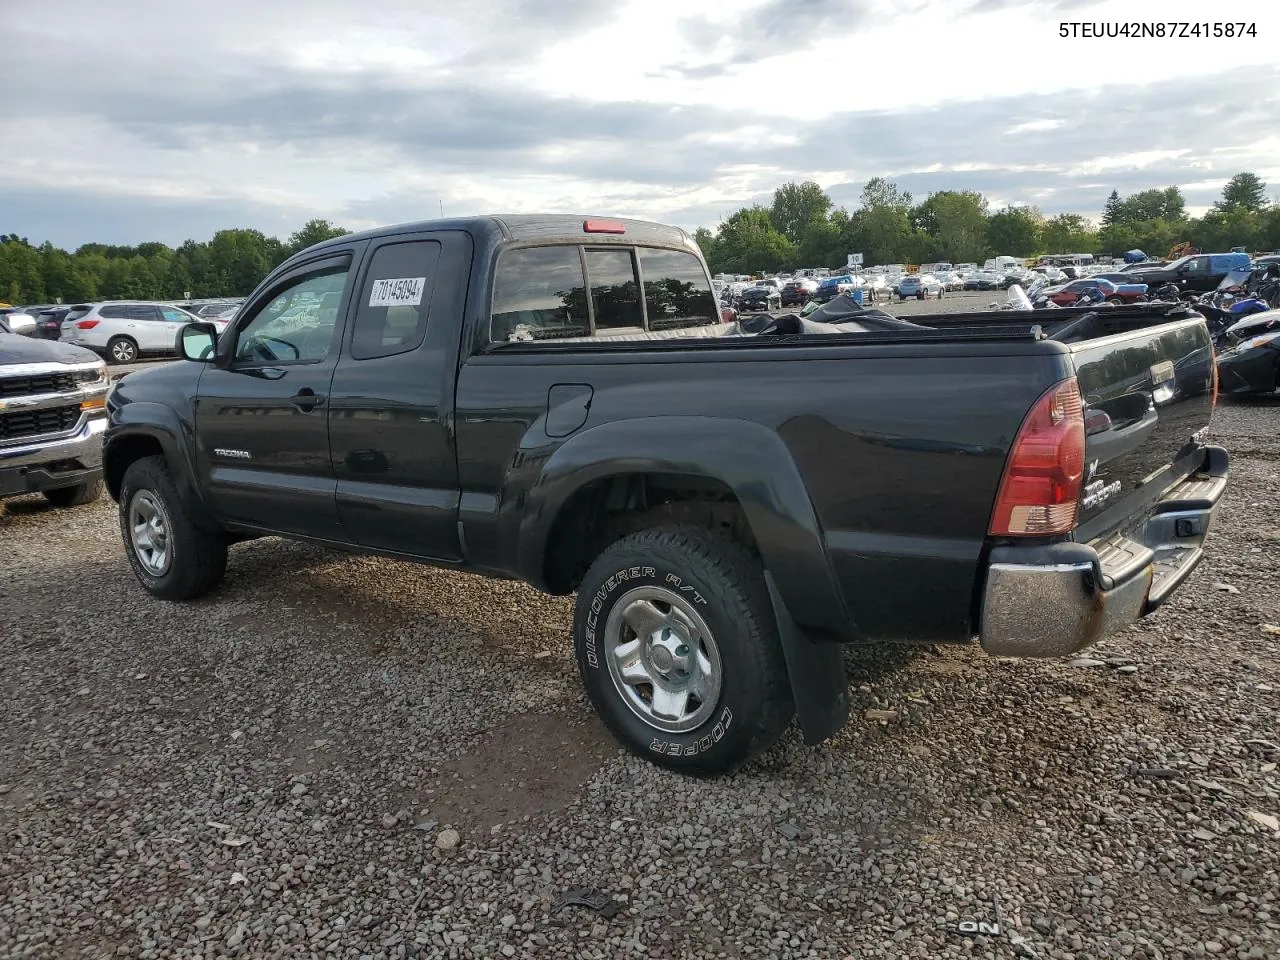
{"x": 346, "y": 757}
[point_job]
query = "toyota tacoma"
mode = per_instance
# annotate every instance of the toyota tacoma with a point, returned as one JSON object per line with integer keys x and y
{"x": 558, "y": 399}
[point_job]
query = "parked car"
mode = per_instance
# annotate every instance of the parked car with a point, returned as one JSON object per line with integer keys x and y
{"x": 982, "y": 280}
{"x": 52, "y": 417}
{"x": 796, "y": 293}
{"x": 1250, "y": 364}
{"x": 831, "y": 287}
{"x": 950, "y": 280}
{"x": 1067, "y": 294}
{"x": 760, "y": 297}
{"x": 19, "y": 321}
{"x": 49, "y": 322}
{"x": 729, "y": 504}
{"x": 123, "y": 331}
{"x": 1200, "y": 272}
{"x": 919, "y": 286}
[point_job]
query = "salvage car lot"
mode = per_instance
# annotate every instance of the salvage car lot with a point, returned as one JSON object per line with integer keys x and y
{"x": 364, "y": 758}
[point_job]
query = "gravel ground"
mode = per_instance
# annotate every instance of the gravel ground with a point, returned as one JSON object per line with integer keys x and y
{"x": 348, "y": 757}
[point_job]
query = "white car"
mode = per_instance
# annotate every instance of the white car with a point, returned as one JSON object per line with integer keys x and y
{"x": 123, "y": 331}
{"x": 949, "y": 279}
{"x": 919, "y": 286}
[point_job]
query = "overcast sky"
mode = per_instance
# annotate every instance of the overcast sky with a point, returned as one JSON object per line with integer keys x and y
{"x": 127, "y": 120}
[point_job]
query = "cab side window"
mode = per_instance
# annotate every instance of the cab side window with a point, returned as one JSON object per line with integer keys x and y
{"x": 297, "y": 324}
{"x": 391, "y": 314}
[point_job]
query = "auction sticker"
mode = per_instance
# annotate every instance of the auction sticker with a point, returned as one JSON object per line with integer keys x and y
{"x": 404, "y": 292}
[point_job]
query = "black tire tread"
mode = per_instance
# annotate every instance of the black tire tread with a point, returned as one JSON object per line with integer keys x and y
{"x": 201, "y": 555}
{"x": 76, "y": 496}
{"x": 737, "y": 576}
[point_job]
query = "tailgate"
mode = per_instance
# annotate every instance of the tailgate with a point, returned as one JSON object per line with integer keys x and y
{"x": 1148, "y": 395}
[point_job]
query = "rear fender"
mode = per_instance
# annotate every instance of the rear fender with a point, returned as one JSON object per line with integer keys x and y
{"x": 756, "y": 465}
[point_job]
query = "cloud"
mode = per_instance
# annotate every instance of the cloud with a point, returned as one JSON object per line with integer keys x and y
{"x": 772, "y": 29}
{"x": 383, "y": 115}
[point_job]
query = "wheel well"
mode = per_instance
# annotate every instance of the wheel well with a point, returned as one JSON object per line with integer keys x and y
{"x": 608, "y": 509}
{"x": 121, "y": 453}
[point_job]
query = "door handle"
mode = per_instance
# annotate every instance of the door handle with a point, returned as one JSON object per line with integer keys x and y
{"x": 306, "y": 399}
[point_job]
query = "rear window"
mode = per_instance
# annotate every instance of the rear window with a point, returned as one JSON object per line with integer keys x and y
{"x": 539, "y": 294}
{"x": 615, "y": 293}
{"x": 676, "y": 290}
{"x": 78, "y": 311}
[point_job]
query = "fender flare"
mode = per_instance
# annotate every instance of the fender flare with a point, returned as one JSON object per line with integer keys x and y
{"x": 160, "y": 423}
{"x": 752, "y": 460}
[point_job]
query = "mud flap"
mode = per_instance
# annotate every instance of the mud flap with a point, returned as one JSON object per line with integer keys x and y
{"x": 816, "y": 670}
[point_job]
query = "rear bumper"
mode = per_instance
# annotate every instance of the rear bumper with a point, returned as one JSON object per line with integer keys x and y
{"x": 1052, "y": 601}
{"x": 52, "y": 464}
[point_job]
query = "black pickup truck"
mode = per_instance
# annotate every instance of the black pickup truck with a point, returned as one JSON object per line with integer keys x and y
{"x": 559, "y": 400}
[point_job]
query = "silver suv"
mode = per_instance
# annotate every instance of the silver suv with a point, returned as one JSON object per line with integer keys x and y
{"x": 124, "y": 330}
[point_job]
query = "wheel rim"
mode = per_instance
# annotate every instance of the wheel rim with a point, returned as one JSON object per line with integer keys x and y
{"x": 122, "y": 351}
{"x": 149, "y": 533}
{"x": 663, "y": 659}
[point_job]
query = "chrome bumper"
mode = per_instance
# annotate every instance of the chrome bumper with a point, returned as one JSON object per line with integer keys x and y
{"x": 49, "y": 464}
{"x": 1053, "y": 601}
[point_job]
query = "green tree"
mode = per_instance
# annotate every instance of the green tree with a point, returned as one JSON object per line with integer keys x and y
{"x": 313, "y": 232}
{"x": 880, "y": 228}
{"x": 1232, "y": 226}
{"x": 798, "y": 206}
{"x": 1155, "y": 204}
{"x": 1014, "y": 231}
{"x": 747, "y": 242}
{"x": 951, "y": 226}
{"x": 1068, "y": 233}
{"x": 1111, "y": 210}
{"x": 1244, "y": 190}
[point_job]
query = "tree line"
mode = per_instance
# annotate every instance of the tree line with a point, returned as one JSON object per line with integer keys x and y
{"x": 804, "y": 228}
{"x": 230, "y": 264}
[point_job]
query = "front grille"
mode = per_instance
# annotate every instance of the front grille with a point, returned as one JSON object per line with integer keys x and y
{"x": 32, "y": 386}
{"x": 34, "y": 423}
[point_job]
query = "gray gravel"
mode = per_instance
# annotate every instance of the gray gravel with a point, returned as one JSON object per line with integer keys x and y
{"x": 347, "y": 757}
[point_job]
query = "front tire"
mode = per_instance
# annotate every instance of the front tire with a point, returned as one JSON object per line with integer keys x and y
{"x": 170, "y": 555}
{"x": 76, "y": 496}
{"x": 678, "y": 649}
{"x": 122, "y": 350}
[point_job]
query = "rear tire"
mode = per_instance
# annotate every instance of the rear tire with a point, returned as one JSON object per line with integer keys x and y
{"x": 122, "y": 350}
{"x": 678, "y": 649}
{"x": 76, "y": 496}
{"x": 170, "y": 555}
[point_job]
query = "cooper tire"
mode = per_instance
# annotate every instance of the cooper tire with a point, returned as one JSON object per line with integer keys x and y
{"x": 76, "y": 496}
{"x": 184, "y": 561}
{"x": 122, "y": 350}
{"x": 685, "y": 575}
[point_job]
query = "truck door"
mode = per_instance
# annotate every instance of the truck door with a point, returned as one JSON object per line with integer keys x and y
{"x": 261, "y": 420}
{"x": 390, "y": 418}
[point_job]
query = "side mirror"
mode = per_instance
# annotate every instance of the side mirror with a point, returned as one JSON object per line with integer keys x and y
{"x": 198, "y": 341}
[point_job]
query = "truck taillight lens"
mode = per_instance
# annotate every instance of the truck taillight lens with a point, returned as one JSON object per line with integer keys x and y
{"x": 1213, "y": 391}
{"x": 86, "y": 324}
{"x": 1040, "y": 489}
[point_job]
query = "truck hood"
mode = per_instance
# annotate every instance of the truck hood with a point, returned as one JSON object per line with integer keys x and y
{"x": 16, "y": 349}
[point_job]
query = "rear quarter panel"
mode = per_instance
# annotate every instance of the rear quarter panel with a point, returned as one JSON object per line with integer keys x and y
{"x": 901, "y": 449}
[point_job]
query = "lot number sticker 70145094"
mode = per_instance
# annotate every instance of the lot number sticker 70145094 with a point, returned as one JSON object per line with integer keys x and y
{"x": 402, "y": 292}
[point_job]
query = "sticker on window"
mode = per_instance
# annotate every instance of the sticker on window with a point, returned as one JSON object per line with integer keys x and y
{"x": 404, "y": 292}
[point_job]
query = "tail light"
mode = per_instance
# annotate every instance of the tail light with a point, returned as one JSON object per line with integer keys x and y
{"x": 1213, "y": 389}
{"x": 87, "y": 324}
{"x": 1040, "y": 489}
{"x": 727, "y": 315}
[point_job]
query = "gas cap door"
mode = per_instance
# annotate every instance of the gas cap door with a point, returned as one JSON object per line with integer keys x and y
{"x": 567, "y": 408}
